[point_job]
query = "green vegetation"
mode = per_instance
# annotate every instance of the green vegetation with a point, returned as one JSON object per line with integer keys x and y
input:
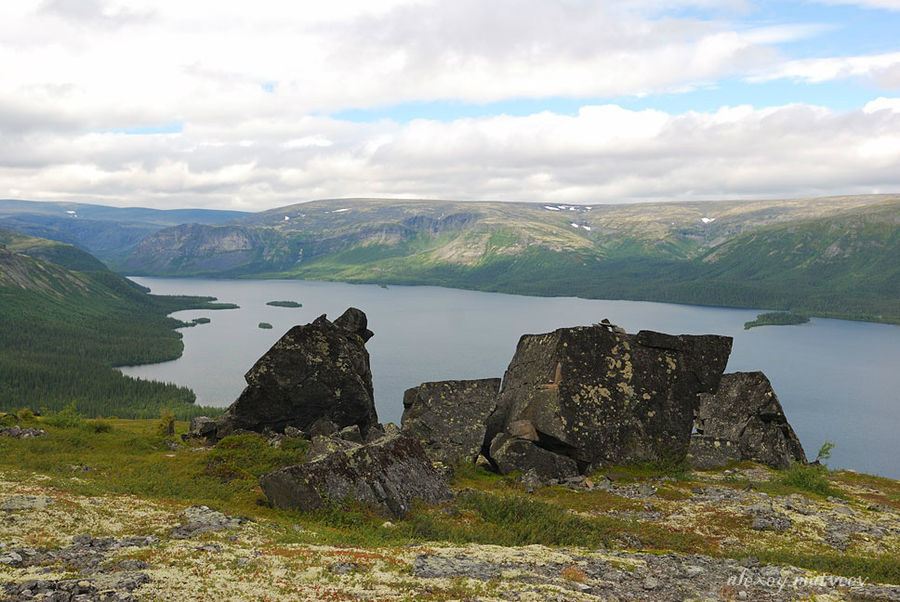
{"x": 196, "y": 321}
{"x": 776, "y": 318}
{"x": 62, "y": 332}
{"x": 264, "y": 325}
{"x": 115, "y": 456}
{"x": 284, "y": 304}
{"x": 813, "y": 478}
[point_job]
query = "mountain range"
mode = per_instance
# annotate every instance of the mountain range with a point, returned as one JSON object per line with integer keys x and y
{"x": 833, "y": 256}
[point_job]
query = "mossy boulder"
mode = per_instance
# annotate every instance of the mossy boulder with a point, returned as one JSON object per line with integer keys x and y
{"x": 745, "y": 411}
{"x": 390, "y": 472}
{"x": 315, "y": 371}
{"x": 597, "y": 395}
{"x": 449, "y": 417}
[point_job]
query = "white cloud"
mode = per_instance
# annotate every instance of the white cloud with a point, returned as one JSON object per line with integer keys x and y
{"x": 880, "y": 68}
{"x": 251, "y": 89}
{"x": 602, "y": 154}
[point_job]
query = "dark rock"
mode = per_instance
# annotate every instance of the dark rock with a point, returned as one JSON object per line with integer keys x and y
{"x": 773, "y": 522}
{"x": 322, "y": 427}
{"x": 449, "y": 417}
{"x": 707, "y": 452}
{"x": 202, "y": 427}
{"x": 746, "y": 411}
{"x": 600, "y": 396}
{"x": 17, "y": 432}
{"x": 510, "y": 454}
{"x": 355, "y": 321}
{"x": 315, "y": 371}
{"x": 293, "y": 432}
{"x": 522, "y": 429}
{"x": 325, "y": 446}
{"x": 390, "y": 472}
{"x": 351, "y": 433}
{"x": 202, "y": 519}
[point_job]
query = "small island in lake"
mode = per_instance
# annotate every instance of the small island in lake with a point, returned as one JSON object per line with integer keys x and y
{"x": 776, "y": 318}
{"x": 194, "y": 322}
{"x": 265, "y": 325}
{"x": 284, "y": 304}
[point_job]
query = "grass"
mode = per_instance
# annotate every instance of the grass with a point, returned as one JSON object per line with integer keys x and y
{"x": 112, "y": 456}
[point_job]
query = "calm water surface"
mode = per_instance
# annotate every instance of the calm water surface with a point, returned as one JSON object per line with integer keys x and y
{"x": 837, "y": 380}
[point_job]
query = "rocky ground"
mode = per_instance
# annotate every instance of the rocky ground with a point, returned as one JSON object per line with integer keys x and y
{"x": 60, "y": 545}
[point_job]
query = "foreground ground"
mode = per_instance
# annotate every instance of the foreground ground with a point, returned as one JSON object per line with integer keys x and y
{"x": 105, "y": 509}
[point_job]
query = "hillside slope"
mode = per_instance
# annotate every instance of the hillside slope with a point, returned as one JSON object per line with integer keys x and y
{"x": 62, "y": 331}
{"x": 830, "y": 257}
{"x": 110, "y": 233}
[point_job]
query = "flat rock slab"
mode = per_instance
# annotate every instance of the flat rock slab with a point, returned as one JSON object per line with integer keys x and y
{"x": 449, "y": 417}
{"x": 202, "y": 519}
{"x": 390, "y": 472}
{"x": 26, "y": 502}
{"x": 601, "y": 396}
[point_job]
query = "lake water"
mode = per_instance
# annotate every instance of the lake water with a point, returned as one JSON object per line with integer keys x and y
{"x": 837, "y": 380}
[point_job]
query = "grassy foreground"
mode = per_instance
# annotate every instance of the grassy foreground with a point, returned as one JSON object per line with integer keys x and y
{"x": 116, "y": 477}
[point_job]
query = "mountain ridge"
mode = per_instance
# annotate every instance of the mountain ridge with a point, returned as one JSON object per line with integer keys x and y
{"x": 693, "y": 252}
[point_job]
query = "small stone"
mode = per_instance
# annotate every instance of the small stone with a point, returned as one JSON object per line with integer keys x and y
{"x": 650, "y": 583}
{"x": 692, "y": 571}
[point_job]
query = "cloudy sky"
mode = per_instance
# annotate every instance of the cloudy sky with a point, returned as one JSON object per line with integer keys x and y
{"x": 252, "y": 105}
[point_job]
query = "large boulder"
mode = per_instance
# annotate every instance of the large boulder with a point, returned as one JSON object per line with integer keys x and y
{"x": 449, "y": 417}
{"x": 315, "y": 372}
{"x": 390, "y": 472}
{"x": 598, "y": 395}
{"x": 511, "y": 453}
{"x": 745, "y": 411}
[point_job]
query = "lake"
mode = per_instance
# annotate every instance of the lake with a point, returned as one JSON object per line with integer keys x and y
{"x": 837, "y": 380}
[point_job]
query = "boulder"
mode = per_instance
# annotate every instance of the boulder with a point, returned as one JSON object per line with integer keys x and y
{"x": 390, "y": 472}
{"x": 322, "y": 446}
{"x": 449, "y": 417}
{"x": 746, "y": 411}
{"x": 597, "y": 395}
{"x": 513, "y": 454}
{"x": 707, "y": 452}
{"x": 201, "y": 427}
{"x": 315, "y": 371}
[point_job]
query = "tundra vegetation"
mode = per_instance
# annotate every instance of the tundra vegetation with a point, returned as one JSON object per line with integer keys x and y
{"x": 125, "y": 480}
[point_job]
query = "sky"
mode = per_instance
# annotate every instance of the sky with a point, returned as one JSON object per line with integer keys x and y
{"x": 253, "y": 105}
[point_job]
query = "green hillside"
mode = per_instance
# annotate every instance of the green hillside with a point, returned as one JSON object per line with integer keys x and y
{"x": 63, "y": 330}
{"x": 825, "y": 257}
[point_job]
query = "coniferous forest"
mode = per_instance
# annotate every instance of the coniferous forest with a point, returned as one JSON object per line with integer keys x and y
{"x": 62, "y": 332}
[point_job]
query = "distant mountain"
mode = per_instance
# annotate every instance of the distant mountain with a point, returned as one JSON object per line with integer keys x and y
{"x": 66, "y": 320}
{"x": 830, "y": 256}
{"x": 110, "y": 233}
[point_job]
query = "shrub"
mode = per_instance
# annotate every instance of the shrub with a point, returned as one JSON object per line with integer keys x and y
{"x": 812, "y": 477}
{"x": 99, "y": 425}
{"x": 66, "y": 418}
{"x": 26, "y": 416}
{"x": 166, "y": 425}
